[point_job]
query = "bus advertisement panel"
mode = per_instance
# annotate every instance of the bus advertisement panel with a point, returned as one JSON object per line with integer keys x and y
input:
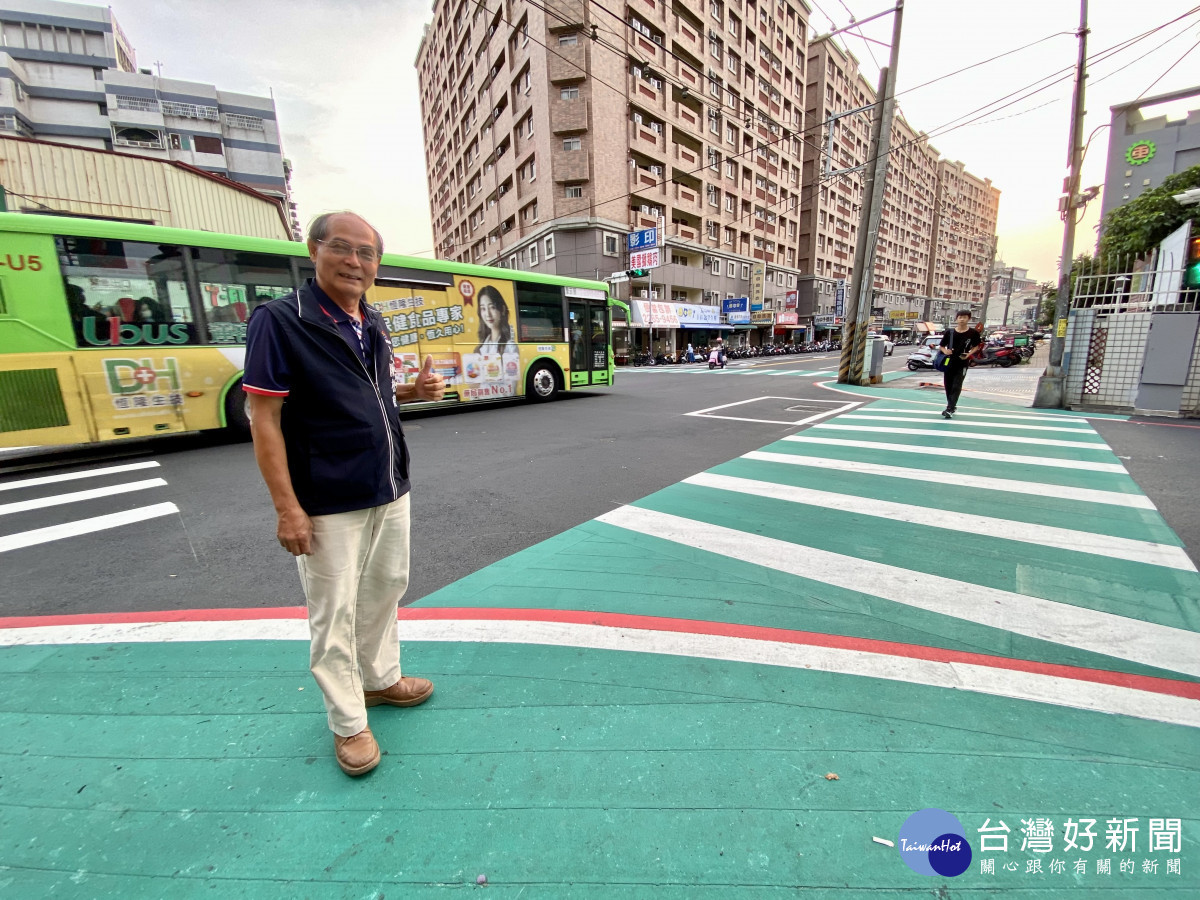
{"x": 116, "y": 330}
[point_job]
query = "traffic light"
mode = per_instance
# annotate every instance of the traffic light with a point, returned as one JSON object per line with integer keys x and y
{"x": 638, "y": 273}
{"x": 1191, "y": 272}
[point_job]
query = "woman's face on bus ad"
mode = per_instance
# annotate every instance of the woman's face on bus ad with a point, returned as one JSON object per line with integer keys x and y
{"x": 491, "y": 312}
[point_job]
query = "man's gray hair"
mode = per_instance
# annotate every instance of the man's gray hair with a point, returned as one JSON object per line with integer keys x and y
{"x": 318, "y": 228}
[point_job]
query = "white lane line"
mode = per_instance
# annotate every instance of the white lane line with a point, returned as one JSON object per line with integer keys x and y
{"x": 970, "y": 435}
{"x": 933, "y": 414}
{"x": 1074, "y": 626}
{"x": 84, "y": 526}
{"x": 1001, "y": 682}
{"x": 1087, "y": 430}
{"x": 74, "y": 476}
{"x": 1081, "y": 465}
{"x": 1056, "y": 491}
{"x": 1148, "y": 552}
{"x": 80, "y": 496}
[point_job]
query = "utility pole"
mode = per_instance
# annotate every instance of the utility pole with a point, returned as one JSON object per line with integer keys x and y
{"x": 1051, "y": 389}
{"x": 854, "y": 334}
{"x": 1007, "y": 296}
{"x": 987, "y": 283}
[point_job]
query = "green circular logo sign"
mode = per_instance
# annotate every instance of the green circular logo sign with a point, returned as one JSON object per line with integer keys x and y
{"x": 1141, "y": 152}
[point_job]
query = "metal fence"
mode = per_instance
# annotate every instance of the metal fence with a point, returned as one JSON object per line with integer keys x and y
{"x": 1133, "y": 285}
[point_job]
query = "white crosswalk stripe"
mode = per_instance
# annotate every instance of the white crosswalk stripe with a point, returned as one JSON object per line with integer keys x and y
{"x": 981, "y": 482}
{"x": 1005, "y": 529}
{"x": 859, "y": 417}
{"x": 20, "y": 509}
{"x": 1082, "y": 465}
{"x": 969, "y": 435}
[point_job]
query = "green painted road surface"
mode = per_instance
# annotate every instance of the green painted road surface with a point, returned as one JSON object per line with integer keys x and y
{"x": 739, "y": 686}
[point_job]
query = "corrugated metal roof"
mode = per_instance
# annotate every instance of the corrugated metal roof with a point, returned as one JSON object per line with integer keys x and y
{"x": 45, "y": 177}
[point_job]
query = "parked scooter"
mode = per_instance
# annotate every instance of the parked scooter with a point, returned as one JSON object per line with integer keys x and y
{"x": 1003, "y": 356}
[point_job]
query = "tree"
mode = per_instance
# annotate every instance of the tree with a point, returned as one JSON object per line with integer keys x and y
{"x": 1138, "y": 226}
{"x": 1049, "y": 298}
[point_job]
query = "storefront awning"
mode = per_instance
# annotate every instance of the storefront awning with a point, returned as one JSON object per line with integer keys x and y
{"x": 701, "y": 325}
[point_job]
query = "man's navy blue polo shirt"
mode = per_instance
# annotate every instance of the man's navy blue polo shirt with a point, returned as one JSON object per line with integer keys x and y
{"x": 340, "y": 420}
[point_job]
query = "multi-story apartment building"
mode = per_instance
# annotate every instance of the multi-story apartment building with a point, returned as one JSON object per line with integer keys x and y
{"x": 68, "y": 75}
{"x": 964, "y": 231}
{"x": 551, "y": 133}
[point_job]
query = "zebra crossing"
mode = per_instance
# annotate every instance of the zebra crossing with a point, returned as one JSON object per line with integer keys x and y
{"x": 42, "y": 509}
{"x": 729, "y": 370}
{"x": 1001, "y": 528}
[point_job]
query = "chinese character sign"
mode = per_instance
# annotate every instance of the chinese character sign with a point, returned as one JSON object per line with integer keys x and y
{"x": 469, "y": 329}
{"x": 638, "y": 240}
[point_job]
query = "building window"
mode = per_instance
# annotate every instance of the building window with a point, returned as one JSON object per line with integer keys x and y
{"x": 572, "y": 144}
{"x": 533, "y": 254}
{"x": 207, "y": 144}
{"x": 548, "y": 244}
{"x": 190, "y": 111}
{"x": 731, "y": 270}
{"x": 745, "y": 271}
{"x": 611, "y": 244}
{"x": 252, "y": 123}
{"x": 715, "y": 268}
{"x": 512, "y": 261}
{"x": 145, "y": 138}
{"x": 568, "y": 40}
{"x": 573, "y": 191}
{"x": 139, "y": 104}
{"x": 568, "y": 93}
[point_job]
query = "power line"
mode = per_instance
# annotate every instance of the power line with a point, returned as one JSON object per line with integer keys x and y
{"x": 1168, "y": 71}
{"x": 943, "y": 129}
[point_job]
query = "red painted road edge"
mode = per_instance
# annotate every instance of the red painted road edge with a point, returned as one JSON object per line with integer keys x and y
{"x": 1186, "y": 689}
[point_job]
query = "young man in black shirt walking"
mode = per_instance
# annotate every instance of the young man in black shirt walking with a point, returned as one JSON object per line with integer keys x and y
{"x": 959, "y": 344}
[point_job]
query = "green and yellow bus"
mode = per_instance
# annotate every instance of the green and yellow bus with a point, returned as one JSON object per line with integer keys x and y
{"x": 113, "y": 330}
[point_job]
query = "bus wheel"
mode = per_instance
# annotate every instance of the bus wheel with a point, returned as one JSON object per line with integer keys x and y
{"x": 237, "y": 412}
{"x": 544, "y": 381}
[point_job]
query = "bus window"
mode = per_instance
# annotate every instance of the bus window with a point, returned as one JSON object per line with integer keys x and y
{"x": 125, "y": 292}
{"x": 232, "y": 284}
{"x": 539, "y": 313}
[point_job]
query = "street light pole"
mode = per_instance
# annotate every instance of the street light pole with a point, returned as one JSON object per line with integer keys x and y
{"x": 1051, "y": 389}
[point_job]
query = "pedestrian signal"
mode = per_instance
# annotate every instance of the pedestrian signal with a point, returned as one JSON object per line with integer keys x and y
{"x": 1191, "y": 273}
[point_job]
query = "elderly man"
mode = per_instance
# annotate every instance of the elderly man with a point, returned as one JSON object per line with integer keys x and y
{"x": 321, "y": 381}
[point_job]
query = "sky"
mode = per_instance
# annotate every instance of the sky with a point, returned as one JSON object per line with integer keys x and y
{"x": 346, "y": 93}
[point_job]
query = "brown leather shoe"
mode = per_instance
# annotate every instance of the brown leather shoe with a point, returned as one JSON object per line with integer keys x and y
{"x": 405, "y": 692}
{"x": 357, "y": 754}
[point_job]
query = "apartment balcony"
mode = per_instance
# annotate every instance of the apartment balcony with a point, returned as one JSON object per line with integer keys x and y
{"x": 642, "y": 137}
{"x": 686, "y": 155}
{"x": 645, "y": 94}
{"x": 687, "y": 198}
{"x": 683, "y": 232}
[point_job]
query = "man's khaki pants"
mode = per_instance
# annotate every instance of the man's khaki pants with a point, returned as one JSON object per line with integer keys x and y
{"x": 353, "y": 581}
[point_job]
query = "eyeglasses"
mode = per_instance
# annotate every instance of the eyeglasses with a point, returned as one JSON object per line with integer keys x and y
{"x": 341, "y": 248}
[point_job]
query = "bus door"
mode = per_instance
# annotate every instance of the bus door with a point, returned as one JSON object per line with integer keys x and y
{"x": 589, "y": 341}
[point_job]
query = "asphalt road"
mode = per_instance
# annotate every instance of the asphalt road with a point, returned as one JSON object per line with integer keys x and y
{"x": 487, "y": 482}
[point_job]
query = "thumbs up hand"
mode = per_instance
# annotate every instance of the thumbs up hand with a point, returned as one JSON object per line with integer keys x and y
{"x": 430, "y": 385}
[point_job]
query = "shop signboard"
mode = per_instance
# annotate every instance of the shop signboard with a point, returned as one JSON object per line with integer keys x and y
{"x": 691, "y": 315}
{"x": 645, "y": 259}
{"x": 762, "y": 318}
{"x": 758, "y": 280}
{"x": 787, "y": 318}
{"x": 897, "y": 314}
{"x": 912, "y": 314}
{"x": 790, "y": 299}
{"x": 839, "y": 298}
{"x": 651, "y": 314}
{"x": 639, "y": 240}
{"x": 736, "y": 310}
